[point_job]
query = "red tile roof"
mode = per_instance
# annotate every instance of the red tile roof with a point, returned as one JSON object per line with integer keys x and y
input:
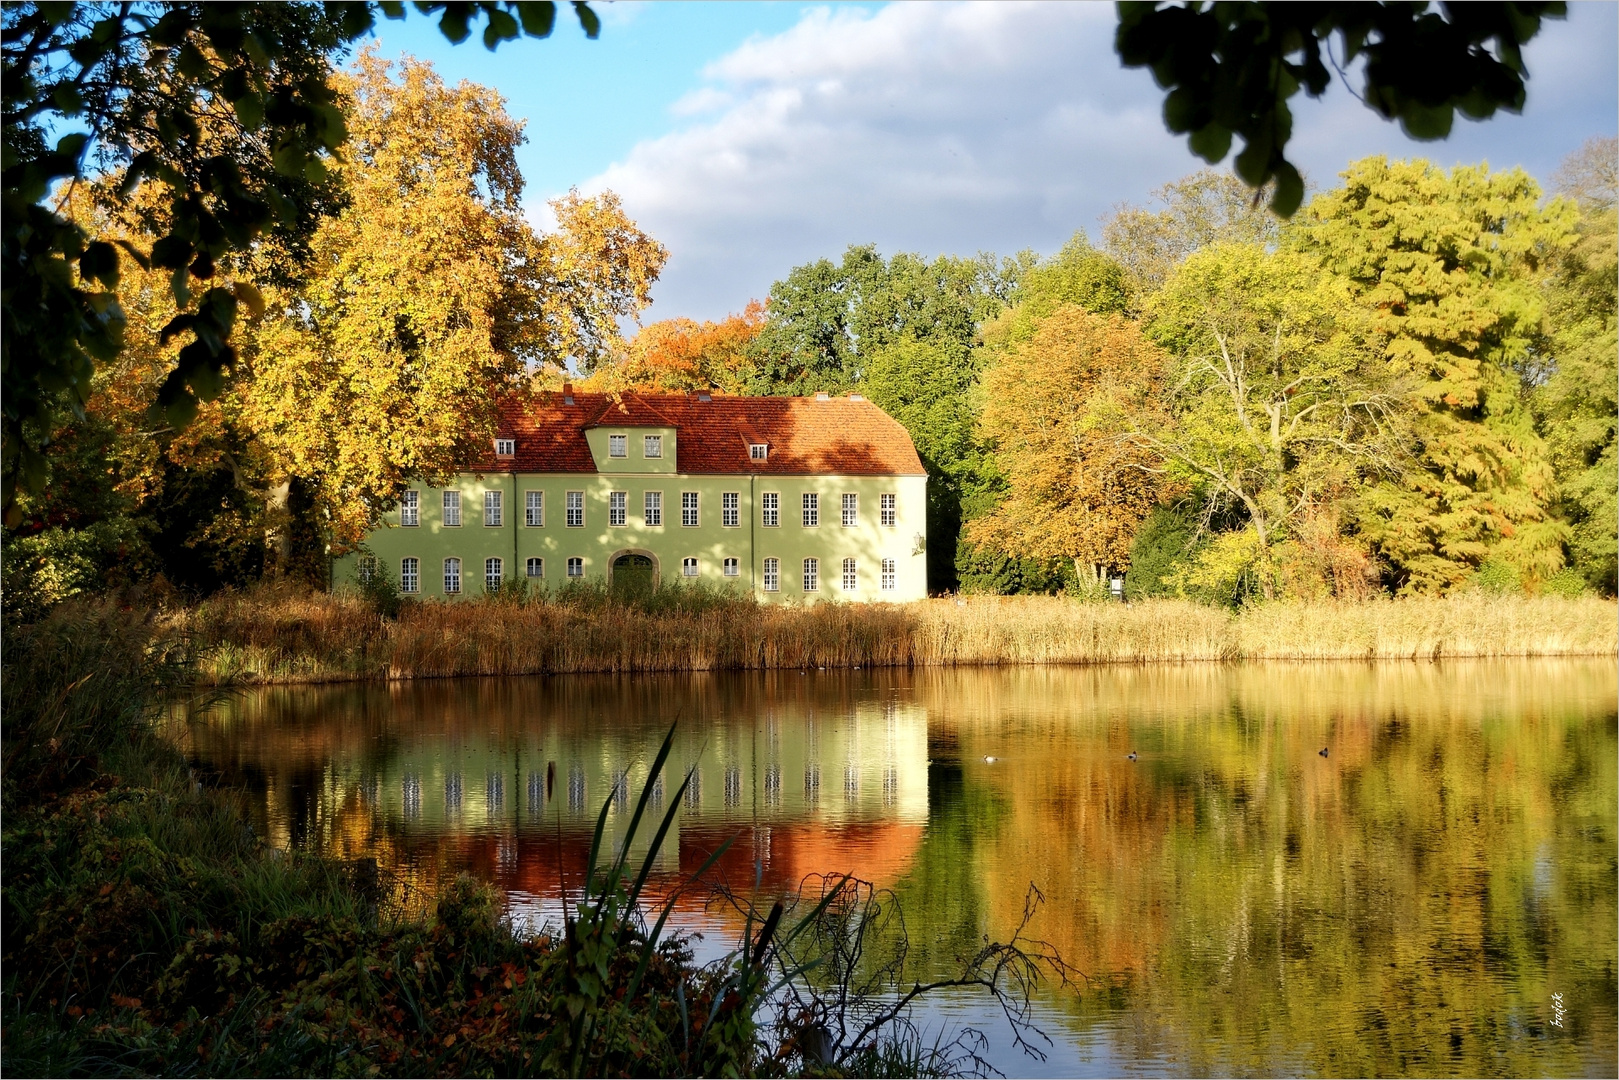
{"x": 806, "y": 437}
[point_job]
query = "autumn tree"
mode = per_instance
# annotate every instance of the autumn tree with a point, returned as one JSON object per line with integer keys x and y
{"x": 1450, "y": 270}
{"x": 1279, "y": 410}
{"x": 677, "y": 355}
{"x": 1197, "y": 211}
{"x": 1058, "y": 410}
{"x": 431, "y": 298}
{"x": 1576, "y": 404}
{"x": 224, "y": 114}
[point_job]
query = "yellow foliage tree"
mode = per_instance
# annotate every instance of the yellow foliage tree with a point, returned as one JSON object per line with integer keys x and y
{"x": 430, "y": 298}
{"x": 1058, "y": 410}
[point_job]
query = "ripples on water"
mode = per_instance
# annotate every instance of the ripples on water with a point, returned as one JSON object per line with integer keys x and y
{"x": 1407, "y": 903}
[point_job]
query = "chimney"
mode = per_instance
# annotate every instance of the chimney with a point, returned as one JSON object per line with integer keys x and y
{"x": 567, "y": 393}
{"x": 822, "y": 395}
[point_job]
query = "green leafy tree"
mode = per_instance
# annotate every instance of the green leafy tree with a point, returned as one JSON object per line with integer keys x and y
{"x": 1576, "y": 405}
{"x": 225, "y": 114}
{"x": 1279, "y": 409}
{"x": 1450, "y": 270}
{"x": 825, "y": 320}
{"x": 1230, "y": 68}
{"x": 902, "y": 331}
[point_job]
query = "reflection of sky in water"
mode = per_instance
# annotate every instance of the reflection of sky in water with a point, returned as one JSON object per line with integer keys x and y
{"x": 1236, "y": 902}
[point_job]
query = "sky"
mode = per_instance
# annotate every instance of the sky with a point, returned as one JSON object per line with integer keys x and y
{"x": 752, "y": 137}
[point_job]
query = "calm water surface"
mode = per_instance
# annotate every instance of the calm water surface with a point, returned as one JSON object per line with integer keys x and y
{"x": 1436, "y": 895}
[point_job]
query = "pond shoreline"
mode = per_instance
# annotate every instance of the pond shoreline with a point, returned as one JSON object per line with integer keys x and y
{"x": 272, "y": 637}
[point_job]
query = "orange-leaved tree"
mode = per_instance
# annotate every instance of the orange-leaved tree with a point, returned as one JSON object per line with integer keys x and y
{"x": 1059, "y": 408}
{"x": 683, "y": 354}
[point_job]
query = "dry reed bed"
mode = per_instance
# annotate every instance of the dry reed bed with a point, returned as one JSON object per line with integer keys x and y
{"x": 277, "y": 636}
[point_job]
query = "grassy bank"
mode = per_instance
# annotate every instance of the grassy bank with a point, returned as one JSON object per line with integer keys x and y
{"x": 281, "y": 636}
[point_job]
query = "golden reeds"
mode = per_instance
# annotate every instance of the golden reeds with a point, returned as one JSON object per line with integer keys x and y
{"x": 281, "y": 636}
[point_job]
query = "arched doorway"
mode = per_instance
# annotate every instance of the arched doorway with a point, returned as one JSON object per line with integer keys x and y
{"x": 632, "y": 574}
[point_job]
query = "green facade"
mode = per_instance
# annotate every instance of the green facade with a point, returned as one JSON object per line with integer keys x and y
{"x": 669, "y": 539}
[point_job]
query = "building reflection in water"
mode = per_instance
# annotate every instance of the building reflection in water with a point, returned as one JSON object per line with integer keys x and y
{"x": 382, "y": 772}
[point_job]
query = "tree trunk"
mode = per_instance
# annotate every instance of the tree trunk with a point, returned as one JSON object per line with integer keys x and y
{"x": 277, "y": 530}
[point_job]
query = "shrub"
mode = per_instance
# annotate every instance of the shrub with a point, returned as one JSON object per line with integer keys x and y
{"x": 1567, "y": 582}
{"x": 1497, "y": 577}
{"x": 982, "y": 570}
{"x": 1169, "y": 537}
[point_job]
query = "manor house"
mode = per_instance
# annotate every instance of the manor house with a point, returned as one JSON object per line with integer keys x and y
{"x": 797, "y": 498}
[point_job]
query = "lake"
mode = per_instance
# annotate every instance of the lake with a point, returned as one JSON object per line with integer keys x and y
{"x": 1434, "y": 895}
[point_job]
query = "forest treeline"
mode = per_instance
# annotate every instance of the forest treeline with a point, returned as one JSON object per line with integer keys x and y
{"x": 1407, "y": 388}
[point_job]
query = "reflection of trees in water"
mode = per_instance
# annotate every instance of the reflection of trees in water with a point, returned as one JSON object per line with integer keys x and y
{"x": 1239, "y": 897}
{"x": 495, "y": 795}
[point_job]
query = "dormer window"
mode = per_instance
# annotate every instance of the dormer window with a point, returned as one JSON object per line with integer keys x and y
{"x": 505, "y": 447}
{"x": 758, "y": 451}
{"x": 653, "y": 446}
{"x": 618, "y": 446}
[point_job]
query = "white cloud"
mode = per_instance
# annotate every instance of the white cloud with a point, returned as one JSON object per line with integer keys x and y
{"x": 960, "y": 127}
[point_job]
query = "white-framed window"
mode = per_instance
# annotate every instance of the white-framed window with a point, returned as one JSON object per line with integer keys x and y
{"x": 494, "y": 511}
{"x": 576, "y": 567}
{"x": 452, "y": 508}
{"x": 652, "y": 446}
{"x": 811, "y": 506}
{"x": 688, "y": 566}
{"x": 772, "y": 575}
{"x": 733, "y": 567}
{"x": 688, "y": 509}
{"x": 889, "y": 510}
{"x": 618, "y": 503}
{"x": 536, "y": 568}
{"x": 410, "y": 574}
{"x": 812, "y": 575}
{"x": 851, "y": 509}
{"x": 452, "y": 575}
{"x": 505, "y": 447}
{"x": 367, "y": 568}
{"x": 618, "y": 446}
{"x": 758, "y": 451}
{"x": 576, "y": 509}
{"x": 888, "y": 575}
{"x": 492, "y": 572}
{"x": 731, "y": 509}
{"x": 770, "y": 509}
{"x": 653, "y": 508}
{"x": 410, "y": 508}
{"x": 851, "y": 577}
{"x": 534, "y": 509}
